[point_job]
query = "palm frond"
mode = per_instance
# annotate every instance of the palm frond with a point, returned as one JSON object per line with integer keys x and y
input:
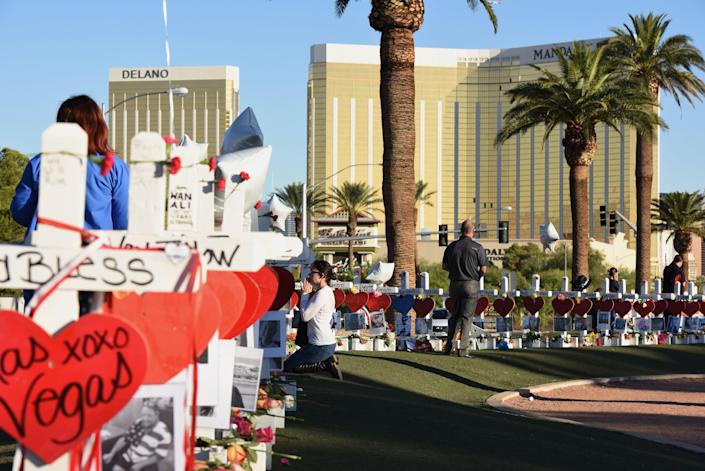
{"x": 488, "y": 8}
{"x": 340, "y": 6}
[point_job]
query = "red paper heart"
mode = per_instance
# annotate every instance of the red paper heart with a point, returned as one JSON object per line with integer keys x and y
{"x": 660, "y": 307}
{"x": 252, "y": 300}
{"x": 423, "y": 306}
{"x": 339, "y": 296}
{"x": 448, "y": 303}
{"x": 481, "y": 306}
{"x": 562, "y": 306}
{"x": 285, "y": 286}
{"x": 294, "y": 300}
{"x": 170, "y": 323}
{"x": 264, "y": 284}
{"x": 231, "y": 294}
{"x": 56, "y": 391}
{"x": 702, "y": 306}
{"x": 378, "y": 302}
{"x": 503, "y": 306}
{"x": 582, "y": 308}
{"x": 676, "y": 307}
{"x": 356, "y": 301}
{"x": 604, "y": 305}
{"x": 692, "y": 308}
{"x": 644, "y": 308}
{"x": 533, "y": 305}
{"x": 622, "y": 307}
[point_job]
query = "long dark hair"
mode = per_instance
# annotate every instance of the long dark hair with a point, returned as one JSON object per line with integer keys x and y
{"x": 325, "y": 268}
{"x": 85, "y": 112}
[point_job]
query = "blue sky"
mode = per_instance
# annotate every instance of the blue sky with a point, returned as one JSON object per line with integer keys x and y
{"x": 53, "y": 49}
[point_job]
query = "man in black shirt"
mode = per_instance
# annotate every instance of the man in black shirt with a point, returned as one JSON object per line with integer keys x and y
{"x": 673, "y": 274}
{"x": 614, "y": 280}
{"x": 465, "y": 261}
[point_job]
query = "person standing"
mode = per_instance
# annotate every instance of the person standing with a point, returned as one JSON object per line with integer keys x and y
{"x": 673, "y": 274}
{"x": 613, "y": 276}
{"x": 319, "y": 305}
{"x": 465, "y": 261}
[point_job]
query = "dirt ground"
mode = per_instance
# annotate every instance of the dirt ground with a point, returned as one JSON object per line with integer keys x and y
{"x": 671, "y": 409}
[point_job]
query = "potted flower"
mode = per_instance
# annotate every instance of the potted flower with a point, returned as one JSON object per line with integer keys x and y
{"x": 385, "y": 342}
{"x": 532, "y": 340}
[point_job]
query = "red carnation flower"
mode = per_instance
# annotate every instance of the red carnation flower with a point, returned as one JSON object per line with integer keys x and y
{"x": 175, "y": 164}
{"x": 244, "y": 176}
{"x": 258, "y": 204}
{"x": 169, "y": 140}
{"x": 220, "y": 185}
{"x": 212, "y": 162}
{"x": 106, "y": 165}
{"x": 264, "y": 435}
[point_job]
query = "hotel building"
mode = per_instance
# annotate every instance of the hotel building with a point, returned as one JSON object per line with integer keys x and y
{"x": 212, "y": 103}
{"x": 460, "y": 101}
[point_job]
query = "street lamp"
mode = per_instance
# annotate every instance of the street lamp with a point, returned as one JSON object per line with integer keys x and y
{"x": 304, "y": 196}
{"x": 177, "y": 91}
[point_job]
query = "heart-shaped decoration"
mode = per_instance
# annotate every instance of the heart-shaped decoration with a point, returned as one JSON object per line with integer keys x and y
{"x": 692, "y": 308}
{"x": 378, "y": 302}
{"x": 176, "y": 253}
{"x": 702, "y": 306}
{"x": 676, "y": 307}
{"x": 170, "y": 324}
{"x": 264, "y": 283}
{"x": 285, "y": 286}
{"x": 231, "y": 294}
{"x": 533, "y": 304}
{"x": 644, "y": 308}
{"x": 356, "y": 301}
{"x": 622, "y": 307}
{"x": 294, "y": 300}
{"x": 604, "y": 305}
{"x": 56, "y": 391}
{"x": 423, "y": 306}
{"x": 448, "y": 303}
{"x": 482, "y": 305}
{"x": 503, "y": 306}
{"x": 339, "y": 296}
{"x": 562, "y": 306}
{"x": 403, "y": 304}
{"x": 582, "y": 308}
{"x": 660, "y": 307}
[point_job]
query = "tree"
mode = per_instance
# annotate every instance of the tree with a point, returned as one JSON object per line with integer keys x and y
{"x": 585, "y": 92}
{"x": 12, "y": 164}
{"x": 398, "y": 20}
{"x": 682, "y": 213}
{"x": 291, "y": 195}
{"x": 353, "y": 198}
{"x": 642, "y": 52}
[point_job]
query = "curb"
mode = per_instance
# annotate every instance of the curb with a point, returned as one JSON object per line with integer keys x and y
{"x": 497, "y": 402}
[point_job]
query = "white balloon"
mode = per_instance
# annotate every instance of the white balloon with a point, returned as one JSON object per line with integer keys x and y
{"x": 380, "y": 272}
{"x": 549, "y": 236}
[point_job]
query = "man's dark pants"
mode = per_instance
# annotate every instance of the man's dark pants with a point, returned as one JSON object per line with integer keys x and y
{"x": 464, "y": 295}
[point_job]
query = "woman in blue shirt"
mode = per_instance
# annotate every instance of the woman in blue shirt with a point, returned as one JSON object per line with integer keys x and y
{"x": 107, "y": 185}
{"x": 106, "y": 195}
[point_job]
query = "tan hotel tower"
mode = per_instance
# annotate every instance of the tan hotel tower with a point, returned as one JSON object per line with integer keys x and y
{"x": 460, "y": 101}
{"x": 212, "y": 103}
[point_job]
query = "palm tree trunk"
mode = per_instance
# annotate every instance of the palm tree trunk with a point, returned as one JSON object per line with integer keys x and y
{"x": 297, "y": 223}
{"x": 644, "y": 179}
{"x": 351, "y": 229}
{"x": 397, "y": 92}
{"x": 686, "y": 266}
{"x": 579, "y": 205}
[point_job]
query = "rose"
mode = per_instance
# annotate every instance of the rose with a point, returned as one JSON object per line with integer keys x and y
{"x": 262, "y": 403}
{"x": 264, "y": 435}
{"x": 169, "y": 140}
{"x": 273, "y": 403}
{"x": 107, "y": 163}
{"x": 220, "y": 184}
{"x": 212, "y": 162}
{"x": 175, "y": 165}
{"x": 258, "y": 204}
{"x": 244, "y": 427}
{"x": 284, "y": 461}
{"x": 244, "y": 176}
{"x": 236, "y": 454}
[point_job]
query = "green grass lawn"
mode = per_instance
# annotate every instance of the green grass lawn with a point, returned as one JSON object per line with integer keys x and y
{"x": 408, "y": 411}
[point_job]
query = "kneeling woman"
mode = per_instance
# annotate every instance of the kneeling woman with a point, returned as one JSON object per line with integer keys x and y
{"x": 318, "y": 305}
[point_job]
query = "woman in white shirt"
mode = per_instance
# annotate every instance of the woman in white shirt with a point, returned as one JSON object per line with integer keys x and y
{"x": 318, "y": 305}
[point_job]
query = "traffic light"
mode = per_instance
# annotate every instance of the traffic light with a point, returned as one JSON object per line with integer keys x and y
{"x": 503, "y": 233}
{"x": 613, "y": 222}
{"x": 603, "y": 215}
{"x": 442, "y": 236}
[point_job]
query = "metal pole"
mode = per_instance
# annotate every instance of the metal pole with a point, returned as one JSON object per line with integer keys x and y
{"x": 304, "y": 221}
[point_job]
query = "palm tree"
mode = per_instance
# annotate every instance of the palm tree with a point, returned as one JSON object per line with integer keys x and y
{"x": 684, "y": 214}
{"x": 643, "y": 53}
{"x": 397, "y": 20}
{"x": 353, "y": 198}
{"x": 291, "y": 195}
{"x": 583, "y": 94}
